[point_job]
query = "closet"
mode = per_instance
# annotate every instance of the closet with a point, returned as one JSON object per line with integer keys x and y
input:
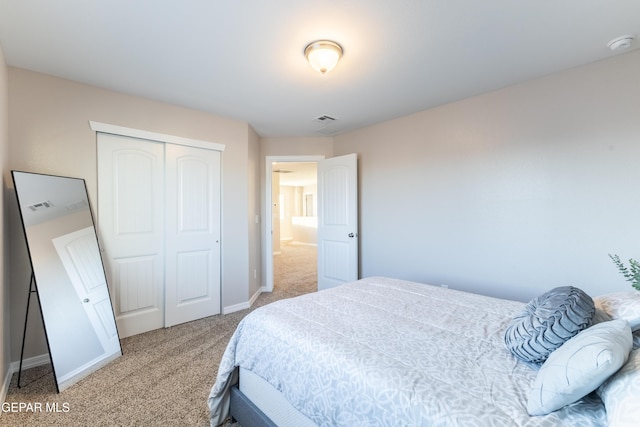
{"x": 159, "y": 228}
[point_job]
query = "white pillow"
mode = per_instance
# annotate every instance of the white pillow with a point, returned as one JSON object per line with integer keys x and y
{"x": 621, "y": 394}
{"x": 579, "y": 366}
{"x": 621, "y": 305}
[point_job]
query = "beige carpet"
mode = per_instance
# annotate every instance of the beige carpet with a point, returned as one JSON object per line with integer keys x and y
{"x": 163, "y": 377}
{"x": 295, "y": 270}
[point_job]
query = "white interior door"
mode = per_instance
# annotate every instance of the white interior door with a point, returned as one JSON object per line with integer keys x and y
{"x": 337, "y": 221}
{"x": 131, "y": 228}
{"x": 80, "y": 257}
{"x": 192, "y": 234}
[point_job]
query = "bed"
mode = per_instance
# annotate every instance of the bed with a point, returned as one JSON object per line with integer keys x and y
{"x": 380, "y": 352}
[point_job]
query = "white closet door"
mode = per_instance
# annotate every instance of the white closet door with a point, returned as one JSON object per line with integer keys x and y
{"x": 192, "y": 234}
{"x": 131, "y": 228}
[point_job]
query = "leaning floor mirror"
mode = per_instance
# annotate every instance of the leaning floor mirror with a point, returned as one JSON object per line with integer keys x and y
{"x": 68, "y": 275}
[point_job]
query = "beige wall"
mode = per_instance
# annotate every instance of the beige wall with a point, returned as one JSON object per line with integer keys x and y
{"x": 254, "y": 223}
{"x": 50, "y": 133}
{"x": 5, "y": 326}
{"x": 305, "y": 146}
{"x": 510, "y": 193}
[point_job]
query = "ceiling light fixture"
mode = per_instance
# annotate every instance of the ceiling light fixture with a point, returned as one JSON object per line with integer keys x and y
{"x": 323, "y": 55}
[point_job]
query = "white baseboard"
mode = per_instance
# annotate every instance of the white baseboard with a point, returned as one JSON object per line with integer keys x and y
{"x": 243, "y": 305}
{"x": 255, "y": 296}
{"x": 235, "y": 307}
{"x": 31, "y": 362}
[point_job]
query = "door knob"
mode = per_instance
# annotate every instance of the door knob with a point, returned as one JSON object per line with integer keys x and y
{"x": 85, "y": 300}
{"x": 352, "y": 235}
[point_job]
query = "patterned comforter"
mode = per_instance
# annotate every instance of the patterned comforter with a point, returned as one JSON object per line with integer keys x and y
{"x": 386, "y": 352}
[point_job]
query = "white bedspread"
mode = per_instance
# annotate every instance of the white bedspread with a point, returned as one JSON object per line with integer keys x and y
{"x": 386, "y": 352}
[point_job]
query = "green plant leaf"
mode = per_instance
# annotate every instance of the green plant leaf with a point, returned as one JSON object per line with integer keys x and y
{"x": 631, "y": 273}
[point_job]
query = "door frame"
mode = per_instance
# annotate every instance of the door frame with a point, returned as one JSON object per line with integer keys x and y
{"x": 268, "y": 215}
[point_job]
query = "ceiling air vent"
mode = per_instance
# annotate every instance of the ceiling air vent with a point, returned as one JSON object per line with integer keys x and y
{"x": 328, "y": 125}
{"x": 325, "y": 119}
{"x": 40, "y": 206}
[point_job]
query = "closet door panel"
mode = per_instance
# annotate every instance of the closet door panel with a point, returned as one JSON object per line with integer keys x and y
{"x": 131, "y": 229}
{"x": 192, "y": 177}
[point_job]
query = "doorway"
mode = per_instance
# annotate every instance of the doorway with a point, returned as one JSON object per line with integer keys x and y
{"x": 291, "y": 224}
{"x": 337, "y": 219}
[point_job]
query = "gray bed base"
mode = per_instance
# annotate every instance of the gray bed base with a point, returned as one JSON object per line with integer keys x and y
{"x": 245, "y": 412}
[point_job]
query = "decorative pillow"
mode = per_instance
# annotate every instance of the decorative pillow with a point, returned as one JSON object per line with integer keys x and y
{"x": 547, "y": 322}
{"x": 621, "y": 305}
{"x": 621, "y": 393}
{"x": 580, "y": 366}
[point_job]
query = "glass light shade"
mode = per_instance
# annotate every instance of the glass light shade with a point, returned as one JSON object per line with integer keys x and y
{"x": 323, "y": 55}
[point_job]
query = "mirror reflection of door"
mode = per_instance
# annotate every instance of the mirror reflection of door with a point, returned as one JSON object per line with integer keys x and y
{"x": 81, "y": 258}
{"x": 58, "y": 225}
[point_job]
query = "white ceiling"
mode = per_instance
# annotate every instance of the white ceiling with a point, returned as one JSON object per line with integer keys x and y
{"x": 63, "y": 196}
{"x": 244, "y": 59}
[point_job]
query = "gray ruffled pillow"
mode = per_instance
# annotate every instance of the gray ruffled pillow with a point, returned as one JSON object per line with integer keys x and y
{"x": 547, "y": 322}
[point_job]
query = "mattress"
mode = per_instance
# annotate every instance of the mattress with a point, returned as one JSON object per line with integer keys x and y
{"x": 384, "y": 351}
